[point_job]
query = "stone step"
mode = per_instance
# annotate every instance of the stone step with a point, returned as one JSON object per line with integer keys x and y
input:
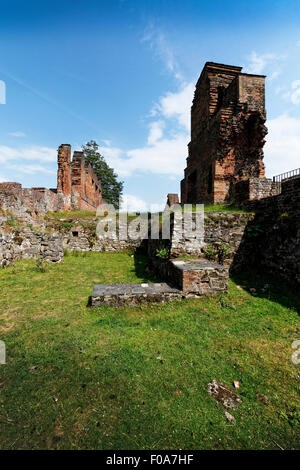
{"x": 133, "y": 294}
{"x": 199, "y": 276}
{"x": 193, "y": 278}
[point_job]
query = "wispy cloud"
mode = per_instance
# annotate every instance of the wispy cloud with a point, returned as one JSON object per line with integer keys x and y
{"x": 30, "y": 169}
{"x": 269, "y": 64}
{"x": 34, "y": 152}
{"x": 162, "y": 49}
{"x": 293, "y": 94}
{"x": 17, "y": 134}
{"x": 165, "y": 151}
{"x": 178, "y": 105}
{"x": 258, "y": 62}
{"x": 156, "y": 132}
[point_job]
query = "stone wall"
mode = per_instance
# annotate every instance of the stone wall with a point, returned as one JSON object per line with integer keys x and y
{"x": 219, "y": 227}
{"x": 253, "y": 189}
{"x": 17, "y": 244}
{"x": 80, "y": 235}
{"x": 27, "y": 204}
{"x": 275, "y": 247}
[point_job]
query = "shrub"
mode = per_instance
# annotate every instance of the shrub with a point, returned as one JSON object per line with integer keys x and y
{"x": 218, "y": 252}
{"x": 163, "y": 253}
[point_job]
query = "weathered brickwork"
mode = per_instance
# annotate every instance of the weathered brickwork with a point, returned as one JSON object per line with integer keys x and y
{"x": 77, "y": 188}
{"x": 227, "y": 133}
{"x": 64, "y": 185}
{"x": 86, "y": 189}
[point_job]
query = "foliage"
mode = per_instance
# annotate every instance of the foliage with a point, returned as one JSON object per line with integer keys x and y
{"x": 163, "y": 253}
{"x": 254, "y": 231}
{"x": 112, "y": 189}
{"x": 12, "y": 222}
{"x": 219, "y": 251}
{"x": 210, "y": 252}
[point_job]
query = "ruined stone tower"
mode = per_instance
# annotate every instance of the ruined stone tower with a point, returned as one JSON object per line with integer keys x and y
{"x": 64, "y": 185}
{"x": 77, "y": 183}
{"x": 227, "y": 133}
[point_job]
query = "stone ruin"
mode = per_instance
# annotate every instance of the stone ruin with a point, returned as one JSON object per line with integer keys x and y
{"x": 227, "y": 137}
{"x": 77, "y": 188}
{"x": 77, "y": 181}
{"x": 224, "y": 164}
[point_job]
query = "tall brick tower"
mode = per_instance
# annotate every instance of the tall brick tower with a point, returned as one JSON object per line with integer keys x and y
{"x": 227, "y": 133}
{"x": 64, "y": 174}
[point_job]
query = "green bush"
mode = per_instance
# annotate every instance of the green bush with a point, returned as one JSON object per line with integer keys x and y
{"x": 163, "y": 253}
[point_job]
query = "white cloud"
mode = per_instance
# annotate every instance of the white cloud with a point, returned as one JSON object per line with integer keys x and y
{"x": 2, "y": 179}
{"x": 258, "y": 62}
{"x": 162, "y": 49}
{"x": 165, "y": 156}
{"x": 30, "y": 169}
{"x": 131, "y": 203}
{"x": 162, "y": 154}
{"x": 295, "y": 94}
{"x": 282, "y": 146}
{"x": 178, "y": 104}
{"x": 17, "y": 134}
{"x": 42, "y": 154}
{"x": 156, "y": 132}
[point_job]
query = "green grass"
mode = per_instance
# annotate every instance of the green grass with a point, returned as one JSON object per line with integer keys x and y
{"x": 82, "y": 214}
{"x": 71, "y": 215}
{"x": 136, "y": 377}
{"x": 224, "y": 208}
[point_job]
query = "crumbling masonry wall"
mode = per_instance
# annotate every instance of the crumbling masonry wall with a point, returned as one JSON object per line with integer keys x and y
{"x": 86, "y": 188}
{"x": 77, "y": 188}
{"x": 227, "y": 133}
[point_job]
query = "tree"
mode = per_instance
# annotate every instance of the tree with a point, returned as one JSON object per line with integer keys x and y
{"x": 112, "y": 189}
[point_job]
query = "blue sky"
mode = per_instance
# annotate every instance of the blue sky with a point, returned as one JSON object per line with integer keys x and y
{"x": 123, "y": 72}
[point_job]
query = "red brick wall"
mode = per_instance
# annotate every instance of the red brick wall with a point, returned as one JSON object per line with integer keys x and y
{"x": 86, "y": 189}
{"x": 64, "y": 173}
{"x": 227, "y": 133}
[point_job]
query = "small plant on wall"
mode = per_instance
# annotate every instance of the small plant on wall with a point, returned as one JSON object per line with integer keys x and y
{"x": 163, "y": 253}
{"x": 217, "y": 252}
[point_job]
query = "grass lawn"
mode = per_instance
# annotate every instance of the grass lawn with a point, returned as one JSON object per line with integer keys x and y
{"x": 136, "y": 378}
{"x": 82, "y": 214}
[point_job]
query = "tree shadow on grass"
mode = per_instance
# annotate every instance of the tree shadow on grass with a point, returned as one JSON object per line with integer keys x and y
{"x": 142, "y": 268}
{"x": 268, "y": 287}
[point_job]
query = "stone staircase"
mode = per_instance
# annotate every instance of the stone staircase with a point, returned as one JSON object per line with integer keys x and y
{"x": 192, "y": 278}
